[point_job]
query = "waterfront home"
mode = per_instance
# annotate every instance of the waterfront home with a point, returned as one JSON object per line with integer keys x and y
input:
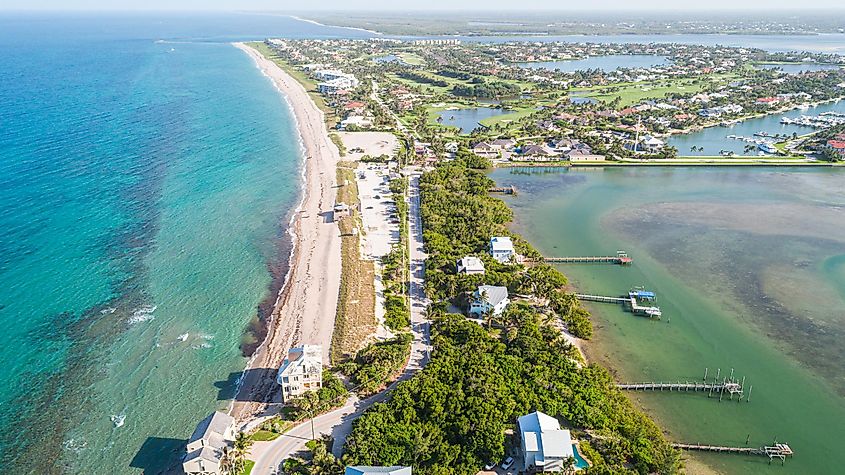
{"x": 544, "y": 444}
{"x": 533, "y": 152}
{"x": 208, "y": 444}
{"x": 364, "y": 470}
{"x": 837, "y": 147}
{"x": 301, "y": 371}
{"x": 470, "y": 265}
{"x": 580, "y": 156}
{"x": 651, "y": 144}
{"x": 488, "y": 299}
{"x": 501, "y": 248}
{"x": 484, "y": 149}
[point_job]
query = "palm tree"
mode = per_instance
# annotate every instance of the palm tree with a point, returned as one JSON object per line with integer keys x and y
{"x": 569, "y": 465}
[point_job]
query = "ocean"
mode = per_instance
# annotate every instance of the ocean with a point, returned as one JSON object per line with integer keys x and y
{"x": 147, "y": 175}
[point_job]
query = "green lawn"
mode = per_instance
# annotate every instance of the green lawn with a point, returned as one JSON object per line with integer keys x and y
{"x": 634, "y": 93}
{"x": 264, "y": 436}
{"x": 248, "y": 464}
{"x": 412, "y": 59}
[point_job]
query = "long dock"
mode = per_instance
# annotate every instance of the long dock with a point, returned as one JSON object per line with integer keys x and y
{"x": 775, "y": 451}
{"x": 621, "y": 258}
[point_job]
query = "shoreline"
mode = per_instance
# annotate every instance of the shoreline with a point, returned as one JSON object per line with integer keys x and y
{"x": 306, "y": 305}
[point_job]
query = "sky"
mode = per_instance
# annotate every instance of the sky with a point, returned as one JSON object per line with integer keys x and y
{"x": 480, "y": 5}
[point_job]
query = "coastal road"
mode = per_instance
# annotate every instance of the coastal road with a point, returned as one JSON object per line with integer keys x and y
{"x": 269, "y": 456}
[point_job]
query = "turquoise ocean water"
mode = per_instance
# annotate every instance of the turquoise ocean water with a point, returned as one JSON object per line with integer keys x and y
{"x": 147, "y": 173}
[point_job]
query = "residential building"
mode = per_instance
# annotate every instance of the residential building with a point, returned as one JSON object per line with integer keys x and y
{"x": 484, "y": 149}
{"x": 651, "y": 144}
{"x": 470, "y": 265}
{"x": 580, "y": 156}
{"x": 363, "y": 470}
{"x": 301, "y": 371}
{"x": 208, "y": 444}
{"x": 488, "y": 298}
{"x": 501, "y": 248}
{"x": 544, "y": 444}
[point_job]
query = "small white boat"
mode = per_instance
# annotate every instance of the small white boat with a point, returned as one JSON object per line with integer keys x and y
{"x": 118, "y": 420}
{"x": 183, "y": 337}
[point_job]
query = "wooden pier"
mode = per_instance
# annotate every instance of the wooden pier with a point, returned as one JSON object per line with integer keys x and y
{"x": 621, "y": 258}
{"x": 508, "y": 190}
{"x": 774, "y": 451}
{"x": 724, "y": 386}
{"x": 629, "y": 302}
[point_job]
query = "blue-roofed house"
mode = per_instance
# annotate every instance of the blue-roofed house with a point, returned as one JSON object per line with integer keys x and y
{"x": 363, "y": 470}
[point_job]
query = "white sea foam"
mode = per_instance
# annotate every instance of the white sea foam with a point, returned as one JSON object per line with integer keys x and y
{"x": 74, "y": 445}
{"x": 143, "y": 314}
{"x": 106, "y": 311}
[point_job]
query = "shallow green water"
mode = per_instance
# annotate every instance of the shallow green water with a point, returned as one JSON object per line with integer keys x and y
{"x": 749, "y": 269}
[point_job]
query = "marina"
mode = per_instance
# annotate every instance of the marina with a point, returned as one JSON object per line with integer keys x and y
{"x": 732, "y": 138}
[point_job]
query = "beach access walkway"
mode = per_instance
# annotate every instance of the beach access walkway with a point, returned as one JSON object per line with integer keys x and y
{"x": 269, "y": 456}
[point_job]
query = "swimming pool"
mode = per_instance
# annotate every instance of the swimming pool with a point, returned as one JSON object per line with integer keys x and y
{"x": 580, "y": 462}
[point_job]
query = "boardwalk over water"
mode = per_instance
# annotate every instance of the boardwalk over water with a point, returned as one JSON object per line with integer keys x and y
{"x": 621, "y": 258}
{"x": 775, "y": 451}
{"x": 629, "y": 302}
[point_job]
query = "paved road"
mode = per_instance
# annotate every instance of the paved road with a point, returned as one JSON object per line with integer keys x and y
{"x": 269, "y": 456}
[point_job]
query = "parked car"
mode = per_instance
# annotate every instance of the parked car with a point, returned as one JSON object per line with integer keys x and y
{"x": 508, "y": 463}
{"x": 490, "y": 466}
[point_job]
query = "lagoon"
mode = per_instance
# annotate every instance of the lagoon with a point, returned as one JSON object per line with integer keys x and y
{"x": 468, "y": 120}
{"x": 749, "y": 271}
{"x": 604, "y": 63}
{"x": 798, "y": 68}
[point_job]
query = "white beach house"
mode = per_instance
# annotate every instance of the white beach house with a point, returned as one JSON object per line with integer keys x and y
{"x": 470, "y": 265}
{"x": 488, "y": 298}
{"x": 544, "y": 444}
{"x": 362, "y": 470}
{"x": 501, "y": 248}
{"x": 208, "y": 444}
{"x": 301, "y": 371}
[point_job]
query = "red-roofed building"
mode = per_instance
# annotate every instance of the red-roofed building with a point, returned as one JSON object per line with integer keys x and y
{"x": 837, "y": 146}
{"x": 768, "y": 100}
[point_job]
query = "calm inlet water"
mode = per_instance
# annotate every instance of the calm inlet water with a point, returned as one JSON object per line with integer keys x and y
{"x": 468, "y": 120}
{"x": 749, "y": 271}
{"x": 604, "y": 63}
{"x": 800, "y": 67}
{"x": 715, "y": 139}
{"x": 145, "y": 188}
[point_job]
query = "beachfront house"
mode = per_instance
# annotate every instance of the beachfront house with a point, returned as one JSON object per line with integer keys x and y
{"x": 544, "y": 444}
{"x": 364, "y": 470}
{"x": 301, "y": 371}
{"x": 470, "y": 265}
{"x": 488, "y": 299}
{"x": 501, "y": 248}
{"x": 208, "y": 444}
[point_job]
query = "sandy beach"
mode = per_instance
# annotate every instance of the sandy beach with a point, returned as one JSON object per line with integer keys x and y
{"x": 306, "y": 306}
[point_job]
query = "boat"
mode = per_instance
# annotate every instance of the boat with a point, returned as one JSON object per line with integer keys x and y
{"x": 183, "y": 337}
{"x": 118, "y": 420}
{"x": 767, "y": 147}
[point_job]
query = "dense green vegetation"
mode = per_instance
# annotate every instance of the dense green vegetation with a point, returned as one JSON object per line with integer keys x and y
{"x": 376, "y": 364}
{"x": 451, "y": 417}
{"x": 486, "y": 89}
{"x": 331, "y": 395}
{"x": 421, "y": 78}
{"x": 396, "y": 313}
